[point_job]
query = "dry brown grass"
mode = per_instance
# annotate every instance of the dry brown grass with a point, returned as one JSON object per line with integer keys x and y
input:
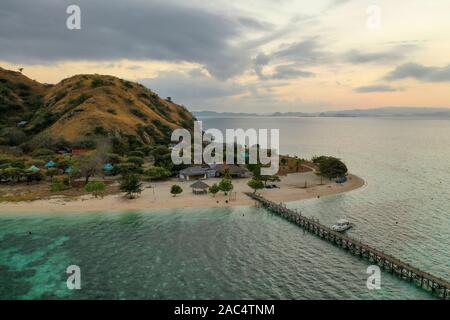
{"x": 41, "y": 191}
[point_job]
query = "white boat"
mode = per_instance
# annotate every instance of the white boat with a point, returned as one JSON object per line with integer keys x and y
{"x": 341, "y": 225}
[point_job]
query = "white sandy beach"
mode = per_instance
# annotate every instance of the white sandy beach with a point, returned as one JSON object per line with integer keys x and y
{"x": 291, "y": 189}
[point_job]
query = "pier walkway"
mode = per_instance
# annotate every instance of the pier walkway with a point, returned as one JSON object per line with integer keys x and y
{"x": 435, "y": 285}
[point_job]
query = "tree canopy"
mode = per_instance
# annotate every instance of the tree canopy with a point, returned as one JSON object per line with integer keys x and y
{"x": 131, "y": 185}
{"x": 176, "y": 189}
{"x": 156, "y": 173}
{"x": 331, "y": 167}
{"x": 255, "y": 184}
{"x": 226, "y": 185}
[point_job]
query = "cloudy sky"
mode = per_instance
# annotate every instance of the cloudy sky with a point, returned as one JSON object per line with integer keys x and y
{"x": 243, "y": 56}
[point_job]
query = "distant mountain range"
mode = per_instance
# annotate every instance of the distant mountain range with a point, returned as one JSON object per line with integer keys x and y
{"x": 377, "y": 112}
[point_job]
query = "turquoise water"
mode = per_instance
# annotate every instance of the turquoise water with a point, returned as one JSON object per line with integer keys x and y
{"x": 245, "y": 252}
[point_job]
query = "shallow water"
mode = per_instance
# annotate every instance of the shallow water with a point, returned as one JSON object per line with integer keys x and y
{"x": 245, "y": 252}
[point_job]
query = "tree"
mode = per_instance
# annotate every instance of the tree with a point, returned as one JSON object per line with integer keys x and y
{"x": 51, "y": 172}
{"x": 176, "y": 189}
{"x": 137, "y": 161}
{"x": 33, "y": 176}
{"x": 331, "y": 167}
{"x": 156, "y": 173}
{"x": 163, "y": 157}
{"x": 214, "y": 189}
{"x": 127, "y": 168}
{"x": 255, "y": 184}
{"x": 92, "y": 163}
{"x": 131, "y": 185}
{"x": 226, "y": 186}
{"x": 13, "y": 174}
{"x": 95, "y": 187}
{"x": 226, "y": 174}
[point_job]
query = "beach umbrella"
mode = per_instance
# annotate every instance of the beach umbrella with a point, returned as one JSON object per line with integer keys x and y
{"x": 108, "y": 167}
{"x": 50, "y": 164}
{"x": 33, "y": 168}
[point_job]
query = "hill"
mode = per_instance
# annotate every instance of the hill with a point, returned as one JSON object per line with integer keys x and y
{"x": 20, "y": 97}
{"x": 82, "y": 108}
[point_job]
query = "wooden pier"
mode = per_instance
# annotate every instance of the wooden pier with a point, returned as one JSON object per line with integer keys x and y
{"x": 435, "y": 285}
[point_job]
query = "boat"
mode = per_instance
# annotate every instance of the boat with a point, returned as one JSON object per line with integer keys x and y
{"x": 341, "y": 225}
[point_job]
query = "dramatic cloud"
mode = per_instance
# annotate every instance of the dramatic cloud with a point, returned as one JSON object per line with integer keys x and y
{"x": 194, "y": 88}
{"x": 376, "y": 88}
{"x": 304, "y": 53}
{"x": 133, "y": 29}
{"x": 420, "y": 72}
{"x": 290, "y": 72}
{"x": 336, "y": 3}
{"x": 392, "y": 55}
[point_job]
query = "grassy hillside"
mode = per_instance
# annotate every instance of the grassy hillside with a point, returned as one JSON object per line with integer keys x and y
{"x": 20, "y": 97}
{"x": 80, "y": 109}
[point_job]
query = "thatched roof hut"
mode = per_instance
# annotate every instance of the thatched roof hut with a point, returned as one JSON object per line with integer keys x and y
{"x": 199, "y": 187}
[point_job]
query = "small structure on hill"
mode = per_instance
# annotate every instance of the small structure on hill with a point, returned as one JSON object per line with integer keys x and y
{"x": 50, "y": 164}
{"x": 81, "y": 151}
{"x": 108, "y": 167}
{"x": 199, "y": 187}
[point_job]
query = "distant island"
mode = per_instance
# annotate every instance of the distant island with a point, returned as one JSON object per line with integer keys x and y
{"x": 98, "y": 143}
{"x": 353, "y": 113}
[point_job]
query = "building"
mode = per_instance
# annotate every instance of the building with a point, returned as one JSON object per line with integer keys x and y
{"x": 81, "y": 151}
{"x": 234, "y": 170}
{"x": 199, "y": 187}
{"x": 193, "y": 173}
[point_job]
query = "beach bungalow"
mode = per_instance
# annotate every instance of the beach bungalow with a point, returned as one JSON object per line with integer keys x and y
{"x": 68, "y": 170}
{"x": 199, "y": 187}
{"x": 33, "y": 168}
{"x": 234, "y": 170}
{"x": 195, "y": 172}
{"x": 108, "y": 167}
{"x": 50, "y": 164}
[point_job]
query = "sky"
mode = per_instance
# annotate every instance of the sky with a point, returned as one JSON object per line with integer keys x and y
{"x": 259, "y": 56}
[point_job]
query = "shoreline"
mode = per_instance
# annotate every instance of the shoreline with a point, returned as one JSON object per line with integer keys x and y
{"x": 158, "y": 197}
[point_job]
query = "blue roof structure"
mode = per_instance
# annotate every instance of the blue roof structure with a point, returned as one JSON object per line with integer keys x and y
{"x": 33, "y": 168}
{"x": 108, "y": 167}
{"x": 50, "y": 164}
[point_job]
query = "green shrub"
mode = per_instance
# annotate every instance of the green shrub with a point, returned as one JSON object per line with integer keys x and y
{"x": 136, "y": 161}
{"x": 98, "y": 82}
{"x": 176, "y": 189}
{"x": 138, "y": 113}
{"x": 131, "y": 185}
{"x": 95, "y": 187}
{"x": 157, "y": 173}
{"x": 100, "y": 131}
{"x": 138, "y": 154}
{"x": 57, "y": 186}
